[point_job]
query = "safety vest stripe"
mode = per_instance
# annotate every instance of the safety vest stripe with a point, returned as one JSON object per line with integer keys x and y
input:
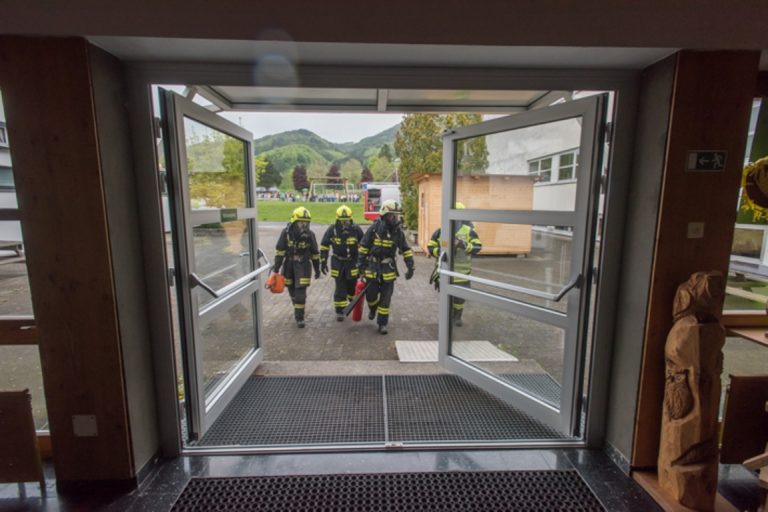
{"x": 408, "y": 254}
{"x": 324, "y": 248}
{"x": 353, "y": 272}
{"x": 334, "y": 273}
{"x": 363, "y": 250}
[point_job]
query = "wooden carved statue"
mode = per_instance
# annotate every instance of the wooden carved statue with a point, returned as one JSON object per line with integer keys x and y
{"x": 688, "y": 454}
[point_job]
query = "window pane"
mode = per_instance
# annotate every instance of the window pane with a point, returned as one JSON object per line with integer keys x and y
{"x": 498, "y": 171}
{"x": 565, "y": 173}
{"x": 221, "y": 255}
{"x": 524, "y": 353}
{"x": 20, "y": 369}
{"x": 566, "y": 159}
{"x": 216, "y": 166}
{"x": 537, "y": 258}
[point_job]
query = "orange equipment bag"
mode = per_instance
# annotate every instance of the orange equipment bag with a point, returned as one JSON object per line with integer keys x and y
{"x": 275, "y": 282}
{"x": 357, "y": 311}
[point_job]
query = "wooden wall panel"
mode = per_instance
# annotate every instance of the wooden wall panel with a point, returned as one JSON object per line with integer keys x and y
{"x": 46, "y": 86}
{"x": 711, "y": 104}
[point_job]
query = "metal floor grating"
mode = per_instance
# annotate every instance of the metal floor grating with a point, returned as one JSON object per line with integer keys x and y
{"x": 547, "y": 490}
{"x": 301, "y": 410}
{"x": 540, "y": 385}
{"x": 448, "y": 408}
{"x": 351, "y": 409}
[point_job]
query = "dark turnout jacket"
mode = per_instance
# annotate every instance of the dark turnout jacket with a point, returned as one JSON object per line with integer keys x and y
{"x": 297, "y": 253}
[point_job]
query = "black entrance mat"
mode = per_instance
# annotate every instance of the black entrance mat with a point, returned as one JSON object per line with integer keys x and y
{"x": 301, "y": 410}
{"x": 448, "y": 408}
{"x": 562, "y": 490}
{"x": 347, "y": 410}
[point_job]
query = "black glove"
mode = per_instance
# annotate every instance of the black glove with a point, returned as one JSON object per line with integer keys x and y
{"x": 409, "y": 273}
{"x": 324, "y": 266}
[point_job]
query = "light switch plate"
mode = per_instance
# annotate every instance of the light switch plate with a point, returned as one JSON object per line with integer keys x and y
{"x": 84, "y": 425}
{"x": 695, "y": 230}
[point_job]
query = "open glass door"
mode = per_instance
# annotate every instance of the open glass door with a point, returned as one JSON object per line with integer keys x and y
{"x": 520, "y": 200}
{"x": 213, "y": 204}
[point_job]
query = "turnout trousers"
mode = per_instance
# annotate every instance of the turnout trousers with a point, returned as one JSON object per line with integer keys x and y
{"x": 379, "y": 296}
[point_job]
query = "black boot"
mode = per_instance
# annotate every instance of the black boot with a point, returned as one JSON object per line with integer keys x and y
{"x": 371, "y": 313}
{"x": 457, "y": 318}
{"x": 383, "y": 329}
{"x": 339, "y": 316}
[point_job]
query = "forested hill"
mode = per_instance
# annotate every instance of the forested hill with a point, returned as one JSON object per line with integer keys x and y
{"x": 285, "y": 150}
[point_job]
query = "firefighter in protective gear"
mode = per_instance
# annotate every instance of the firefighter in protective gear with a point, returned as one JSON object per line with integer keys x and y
{"x": 466, "y": 244}
{"x": 377, "y": 260}
{"x": 296, "y": 253}
{"x": 344, "y": 237}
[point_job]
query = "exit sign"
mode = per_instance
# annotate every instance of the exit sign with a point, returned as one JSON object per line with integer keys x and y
{"x": 706, "y": 160}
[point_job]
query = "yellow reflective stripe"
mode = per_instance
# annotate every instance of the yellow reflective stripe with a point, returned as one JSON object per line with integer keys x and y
{"x": 388, "y": 274}
{"x": 370, "y": 273}
{"x": 458, "y": 306}
{"x": 288, "y": 281}
{"x": 408, "y": 254}
{"x": 298, "y": 306}
{"x": 383, "y": 243}
{"x": 304, "y": 280}
{"x": 387, "y": 277}
{"x": 279, "y": 253}
{"x": 324, "y": 248}
{"x": 351, "y": 241}
{"x": 340, "y": 303}
{"x": 353, "y": 272}
{"x": 382, "y": 311}
{"x": 363, "y": 250}
{"x": 373, "y": 302}
{"x": 334, "y": 273}
{"x": 315, "y": 256}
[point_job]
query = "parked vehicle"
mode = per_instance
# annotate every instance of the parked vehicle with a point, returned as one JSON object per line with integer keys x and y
{"x": 376, "y": 193}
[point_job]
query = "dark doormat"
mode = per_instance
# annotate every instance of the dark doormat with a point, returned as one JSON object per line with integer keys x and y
{"x": 552, "y": 490}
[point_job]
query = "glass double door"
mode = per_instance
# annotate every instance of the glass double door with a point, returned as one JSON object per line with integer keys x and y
{"x": 218, "y": 260}
{"x": 519, "y": 207}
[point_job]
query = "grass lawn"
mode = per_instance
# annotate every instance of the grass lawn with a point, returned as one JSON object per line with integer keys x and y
{"x": 322, "y": 213}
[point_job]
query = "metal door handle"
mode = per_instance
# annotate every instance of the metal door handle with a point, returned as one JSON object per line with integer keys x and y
{"x": 195, "y": 280}
{"x": 575, "y": 282}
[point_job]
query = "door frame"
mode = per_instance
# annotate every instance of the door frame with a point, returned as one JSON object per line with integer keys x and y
{"x": 591, "y": 111}
{"x": 141, "y": 76}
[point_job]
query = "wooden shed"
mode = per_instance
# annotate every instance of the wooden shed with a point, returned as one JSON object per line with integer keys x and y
{"x": 496, "y": 192}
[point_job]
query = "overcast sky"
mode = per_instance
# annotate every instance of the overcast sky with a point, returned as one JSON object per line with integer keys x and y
{"x": 332, "y": 127}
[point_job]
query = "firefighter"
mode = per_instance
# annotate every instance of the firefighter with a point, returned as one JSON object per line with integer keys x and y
{"x": 296, "y": 253}
{"x": 377, "y": 264}
{"x": 344, "y": 237}
{"x": 466, "y": 244}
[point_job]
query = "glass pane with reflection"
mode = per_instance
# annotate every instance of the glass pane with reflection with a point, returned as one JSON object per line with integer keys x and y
{"x": 19, "y": 370}
{"x": 226, "y": 340}
{"x": 527, "y": 169}
{"x": 524, "y": 353}
{"x": 537, "y": 258}
{"x": 221, "y": 255}
{"x": 216, "y": 168}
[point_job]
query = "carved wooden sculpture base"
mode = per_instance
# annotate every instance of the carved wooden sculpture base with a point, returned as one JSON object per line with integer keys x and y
{"x": 688, "y": 454}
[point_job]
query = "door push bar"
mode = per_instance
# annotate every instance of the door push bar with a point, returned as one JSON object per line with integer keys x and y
{"x": 238, "y": 283}
{"x": 575, "y": 282}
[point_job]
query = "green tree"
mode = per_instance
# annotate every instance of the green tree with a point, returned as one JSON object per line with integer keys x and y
{"x": 419, "y": 146}
{"x": 300, "y": 180}
{"x": 366, "y": 175}
{"x": 385, "y": 152}
{"x": 234, "y": 155}
{"x": 270, "y": 177}
{"x": 350, "y": 170}
{"x": 382, "y": 169}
